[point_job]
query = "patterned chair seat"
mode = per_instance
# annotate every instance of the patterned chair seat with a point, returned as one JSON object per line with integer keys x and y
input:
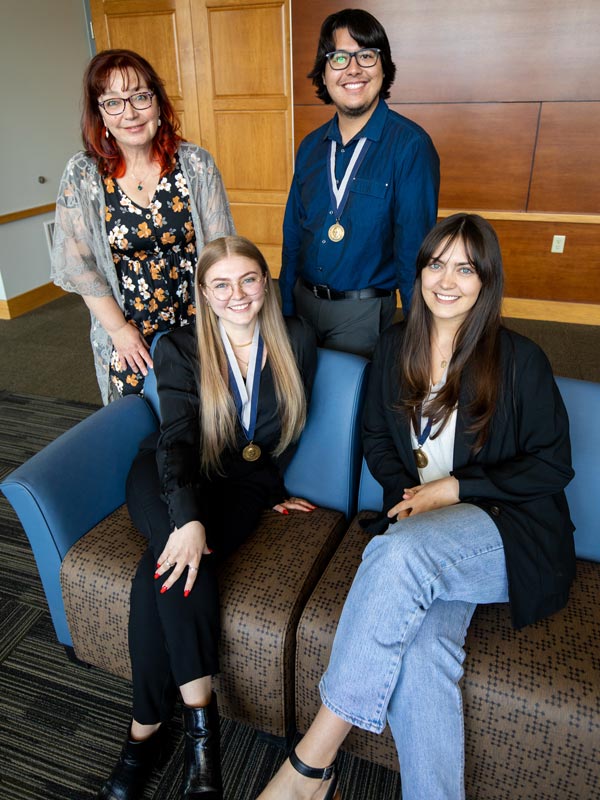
{"x": 531, "y": 697}
{"x": 264, "y": 586}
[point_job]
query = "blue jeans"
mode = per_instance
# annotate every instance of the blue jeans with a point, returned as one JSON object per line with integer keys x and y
{"x": 398, "y": 651}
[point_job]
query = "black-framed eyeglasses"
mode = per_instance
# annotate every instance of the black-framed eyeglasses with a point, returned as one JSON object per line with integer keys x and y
{"x": 365, "y": 57}
{"x": 116, "y": 105}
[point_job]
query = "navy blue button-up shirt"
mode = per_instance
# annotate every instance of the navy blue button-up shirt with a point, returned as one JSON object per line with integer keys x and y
{"x": 391, "y": 206}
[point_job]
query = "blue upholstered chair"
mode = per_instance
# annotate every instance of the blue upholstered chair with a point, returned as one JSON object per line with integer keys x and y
{"x": 69, "y": 498}
{"x": 530, "y": 696}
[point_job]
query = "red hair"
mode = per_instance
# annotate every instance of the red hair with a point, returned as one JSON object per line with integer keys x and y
{"x": 107, "y": 153}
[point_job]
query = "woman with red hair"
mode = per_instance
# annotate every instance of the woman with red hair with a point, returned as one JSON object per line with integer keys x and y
{"x": 133, "y": 211}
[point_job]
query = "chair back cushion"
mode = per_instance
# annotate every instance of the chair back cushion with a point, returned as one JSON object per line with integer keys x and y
{"x": 582, "y": 399}
{"x": 325, "y": 468}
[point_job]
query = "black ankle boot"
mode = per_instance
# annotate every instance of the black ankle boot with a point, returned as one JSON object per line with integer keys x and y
{"x": 133, "y": 768}
{"x": 202, "y": 755}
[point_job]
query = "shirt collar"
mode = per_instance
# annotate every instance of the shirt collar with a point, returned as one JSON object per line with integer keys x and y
{"x": 372, "y": 130}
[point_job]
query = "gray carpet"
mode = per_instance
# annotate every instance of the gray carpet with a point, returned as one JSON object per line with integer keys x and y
{"x": 61, "y": 723}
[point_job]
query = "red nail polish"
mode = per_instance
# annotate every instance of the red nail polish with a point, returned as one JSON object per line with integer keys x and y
{"x": 156, "y": 575}
{"x": 157, "y": 564}
{"x": 164, "y": 589}
{"x": 285, "y": 511}
{"x": 186, "y": 593}
{"x": 210, "y": 552}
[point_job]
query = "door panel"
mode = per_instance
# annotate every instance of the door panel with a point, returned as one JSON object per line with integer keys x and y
{"x": 244, "y": 90}
{"x": 226, "y": 66}
{"x": 159, "y": 30}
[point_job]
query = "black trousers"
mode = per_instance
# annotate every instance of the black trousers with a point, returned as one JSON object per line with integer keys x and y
{"x": 353, "y": 326}
{"x": 174, "y": 639}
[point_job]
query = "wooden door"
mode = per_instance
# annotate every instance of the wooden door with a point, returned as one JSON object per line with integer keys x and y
{"x": 244, "y": 91}
{"x": 161, "y": 31}
{"x": 226, "y": 64}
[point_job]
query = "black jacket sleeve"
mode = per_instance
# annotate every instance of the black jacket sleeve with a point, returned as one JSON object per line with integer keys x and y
{"x": 388, "y": 456}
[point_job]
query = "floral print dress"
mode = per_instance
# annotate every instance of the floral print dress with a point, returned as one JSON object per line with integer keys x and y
{"x": 154, "y": 252}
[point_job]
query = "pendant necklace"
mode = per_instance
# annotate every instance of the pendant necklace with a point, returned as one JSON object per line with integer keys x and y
{"x": 244, "y": 344}
{"x": 140, "y": 181}
{"x": 444, "y": 362}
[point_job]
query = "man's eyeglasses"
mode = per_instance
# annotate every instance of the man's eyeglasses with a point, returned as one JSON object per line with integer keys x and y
{"x": 365, "y": 57}
{"x": 116, "y": 105}
{"x": 249, "y": 285}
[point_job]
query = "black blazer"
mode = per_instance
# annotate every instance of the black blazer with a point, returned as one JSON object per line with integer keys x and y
{"x": 518, "y": 477}
{"x": 184, "y": 487}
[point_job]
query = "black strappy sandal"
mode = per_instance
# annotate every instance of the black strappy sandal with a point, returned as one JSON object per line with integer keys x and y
{"x": 328, "y": 773}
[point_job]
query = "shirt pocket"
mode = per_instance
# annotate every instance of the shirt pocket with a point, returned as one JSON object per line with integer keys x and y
{"x": 369, "y": 187}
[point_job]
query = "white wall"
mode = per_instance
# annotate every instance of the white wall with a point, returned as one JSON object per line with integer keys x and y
{"x": 44, "y": 49}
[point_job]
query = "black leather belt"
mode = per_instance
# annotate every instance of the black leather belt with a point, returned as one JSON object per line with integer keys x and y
{"x": 324, "y": 292}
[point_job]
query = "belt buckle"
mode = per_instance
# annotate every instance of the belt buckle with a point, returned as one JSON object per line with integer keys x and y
{"x": 322, "y": 287}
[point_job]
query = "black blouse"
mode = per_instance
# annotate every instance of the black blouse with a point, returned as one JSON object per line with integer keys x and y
{"x": 185, "y": 488}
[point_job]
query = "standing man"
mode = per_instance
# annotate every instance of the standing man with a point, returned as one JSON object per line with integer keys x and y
{"x": 364, "y": 194}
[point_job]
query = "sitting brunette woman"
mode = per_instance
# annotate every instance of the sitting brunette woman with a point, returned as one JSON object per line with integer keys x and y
{"x": 232, "y": 402}
{"x": 466, "y": 431}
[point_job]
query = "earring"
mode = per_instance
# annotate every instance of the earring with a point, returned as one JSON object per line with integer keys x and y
{"x": 159, "y": 122}
{"x": 106, "y": 132}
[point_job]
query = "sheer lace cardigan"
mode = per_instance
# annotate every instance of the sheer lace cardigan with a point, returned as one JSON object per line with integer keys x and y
{"x": 81, "y": 256}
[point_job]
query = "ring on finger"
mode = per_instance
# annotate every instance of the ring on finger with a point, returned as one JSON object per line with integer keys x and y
{"x": 168, "y": 564}
{"x": 192, "y": 568}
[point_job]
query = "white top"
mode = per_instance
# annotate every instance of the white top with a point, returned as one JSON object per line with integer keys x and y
{"x": 439, "y": 451}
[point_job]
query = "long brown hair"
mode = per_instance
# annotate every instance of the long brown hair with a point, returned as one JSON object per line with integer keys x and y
{"x": 107, "y": 153}
{"x": 476, "y": 345}
{"x": 218, "y": 416}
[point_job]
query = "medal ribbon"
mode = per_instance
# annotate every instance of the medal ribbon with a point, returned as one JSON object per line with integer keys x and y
{"x": 245, "y": 393}
{"x": 424, "y": 435}
{"x": 339, "y": 195}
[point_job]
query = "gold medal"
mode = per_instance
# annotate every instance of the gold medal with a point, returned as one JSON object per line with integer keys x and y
{"x": 336, "y": 233}
{"x": 421, "y": 458}
{"x": 251, "y": 452}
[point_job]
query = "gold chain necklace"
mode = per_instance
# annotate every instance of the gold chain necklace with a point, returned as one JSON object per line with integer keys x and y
{"x": 445, "y": 360}
{"x": 140, "y": 181}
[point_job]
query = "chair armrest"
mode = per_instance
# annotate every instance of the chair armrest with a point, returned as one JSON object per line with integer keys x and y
{"x": 72, "y": 484}
{"x": 370, "y": 491}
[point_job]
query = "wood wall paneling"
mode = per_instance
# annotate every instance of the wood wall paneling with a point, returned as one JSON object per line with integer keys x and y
{"x": 485, "y": 149}
{"x": 485, "y": 81}
{"x": 512, "y": 50}
{"x": 307, "y": 118}
{"x": 532, "y": 271}
{"x": 566, "y": 173}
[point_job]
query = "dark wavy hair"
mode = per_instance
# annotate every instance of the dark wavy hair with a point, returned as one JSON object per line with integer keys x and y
{"x": 477, "y": 342}
{"x": 107, "y": 153}
{"x": 367, "y": 31}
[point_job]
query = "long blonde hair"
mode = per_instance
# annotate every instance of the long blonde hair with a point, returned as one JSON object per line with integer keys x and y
{"x": 218, "y": 415}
